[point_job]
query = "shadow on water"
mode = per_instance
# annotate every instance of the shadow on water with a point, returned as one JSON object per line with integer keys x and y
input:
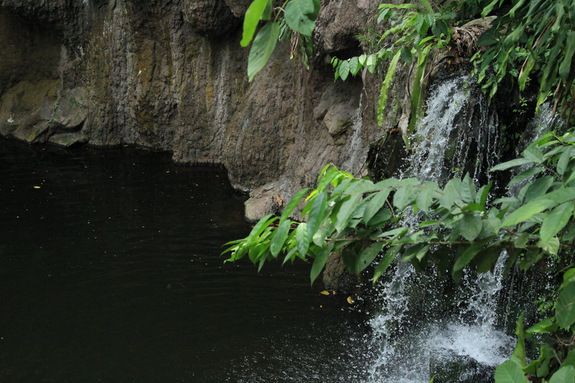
{"x": 110, "y": 272}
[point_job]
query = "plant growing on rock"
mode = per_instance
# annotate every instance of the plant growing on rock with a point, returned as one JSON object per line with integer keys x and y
{"x": 533, "y": 41}
{"x": 295, "y": 20}
{"x": 529, "y": 42}
{"x": 366, "y": 222}
{"x": 415, "y": 31}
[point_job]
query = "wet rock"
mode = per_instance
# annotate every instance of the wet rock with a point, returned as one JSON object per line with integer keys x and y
{"x": 209, "y": 17}
{"x": 238, "y": 7}
{"x": 162, "y": 75}
{"x": 67, "y": 139}
{"x": 339, "y": 24}
{"x": 386, "y": 156}
{"x": 262, "y": 202}
{"x": 460, "y": 368}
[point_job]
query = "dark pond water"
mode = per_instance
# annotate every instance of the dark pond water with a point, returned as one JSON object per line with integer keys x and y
{"x": 110, "y": 272}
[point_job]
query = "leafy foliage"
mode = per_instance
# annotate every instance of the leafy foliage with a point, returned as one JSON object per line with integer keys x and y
{"x": 372, "y": 226}
{"x": 358, "y": 217}
{"x": 534, "y": 39}
{"x": 539, "y": 49}
{"x": 415, "y": 30}
{"x": 295, "y": 18}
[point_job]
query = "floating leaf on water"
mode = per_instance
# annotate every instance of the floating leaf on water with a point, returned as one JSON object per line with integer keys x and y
{"x": 324, "y": 292}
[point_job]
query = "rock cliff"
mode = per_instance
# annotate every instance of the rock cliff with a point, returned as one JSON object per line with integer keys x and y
{"x": 170, "y": 75}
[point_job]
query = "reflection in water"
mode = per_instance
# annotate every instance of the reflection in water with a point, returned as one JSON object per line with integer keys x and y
{"x": 110, "y": 272}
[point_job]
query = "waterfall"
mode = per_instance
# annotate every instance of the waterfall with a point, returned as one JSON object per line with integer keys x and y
{"x": 458, "y": 134}
{"x": 425, "y": 326}
{"x": 354, "y": 161}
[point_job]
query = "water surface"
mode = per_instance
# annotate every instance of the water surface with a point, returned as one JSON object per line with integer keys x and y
{"x": 110, "y": 272}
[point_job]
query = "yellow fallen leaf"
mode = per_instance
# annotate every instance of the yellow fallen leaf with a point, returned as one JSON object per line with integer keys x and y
{"x": 324, "y": 292}
{"x": 36, "y": 187}
{"x": 350, "y": 300}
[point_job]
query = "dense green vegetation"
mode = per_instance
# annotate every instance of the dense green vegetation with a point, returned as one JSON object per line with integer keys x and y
{"x": 529, "y": 44}
{"x": 367, "y": 223}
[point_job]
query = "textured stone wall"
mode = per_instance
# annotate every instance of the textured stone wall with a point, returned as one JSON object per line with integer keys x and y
{"x": 170, "y": 75}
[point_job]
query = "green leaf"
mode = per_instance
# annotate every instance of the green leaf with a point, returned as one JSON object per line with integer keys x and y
{"x": 425, "y": 195}
{"x": 385, "y": 261}
{"x": 371, "y": 62}
{"x": 394, "y": 233}
{"x": 538, "y": 188}
{"x": 397, "y": 6}
{"x": 484, "y": 194}
{"x": 525, "y": 71}
{"x": 487, "y": 260}
{"x": 406, "y": 54}
{"x": 380, "y": 218}
{"x": 564, "y": 375}
{"x": 319, "y": 262}
{"x": 468, "y": 191}
{"x": 521, "y": 241}
{"x": 258, "y": 229}
{"x": 565, "y": 67}
{"x": 427, "y": 5}
{"x": 467, "y": 256}
{"x": 534, "y": 153}
{"x": 251, "y": 19}
{"x": 487, "y": 10}
{"x": 292, "y": 204}
{"x": 544, "y": 327}
{"x": 525, "y": 175}
{"x": 383, "y": 94}
{"x": 569, "y": 359}
{"x": 511, "y": 164}
{"x": 262, "y": 48}
{"x": 317, "y": 213}
{"x": 343, "y": 70}
{"x": 551, "y": 246}
{"x": 354, "y": 66}
{"x": 345, "y": 210}
{"x": 565, "y": 308}
{"x": 451, "y": 193}
{"x": 290, "y": 256}
{"x": 402, "y": 197}
{"x": 375, "y": 204}
{"x": 527, "y": 211}
{"x": 509, "y": 372}
{"x": 302, "y": 239}
{"x": 555, "y": 221}
{"x": 561, "y": 195}
{"x": 564, "y": 161}
{"x": 361, "y": 186}
{"x": 368, "y": 255}
{"x": 569, "y": 276}
{"x": 416, "y": 251}
{"x": 300, "y": 15}
{"x": 279, "y": 237}
{"x": 470, "y": 226}
{"x": 519, "y": 355}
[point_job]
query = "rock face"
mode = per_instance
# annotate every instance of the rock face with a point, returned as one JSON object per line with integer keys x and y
{"x": 170, "y": 75}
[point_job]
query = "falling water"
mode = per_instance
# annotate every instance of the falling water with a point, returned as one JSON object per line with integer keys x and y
{"x": 421, "y": 331}
{"x": 545, "y": 120}
{"x": 221, "y": 97}
{"x": 353, "y": 150}
{"x": 458, "y": 134}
